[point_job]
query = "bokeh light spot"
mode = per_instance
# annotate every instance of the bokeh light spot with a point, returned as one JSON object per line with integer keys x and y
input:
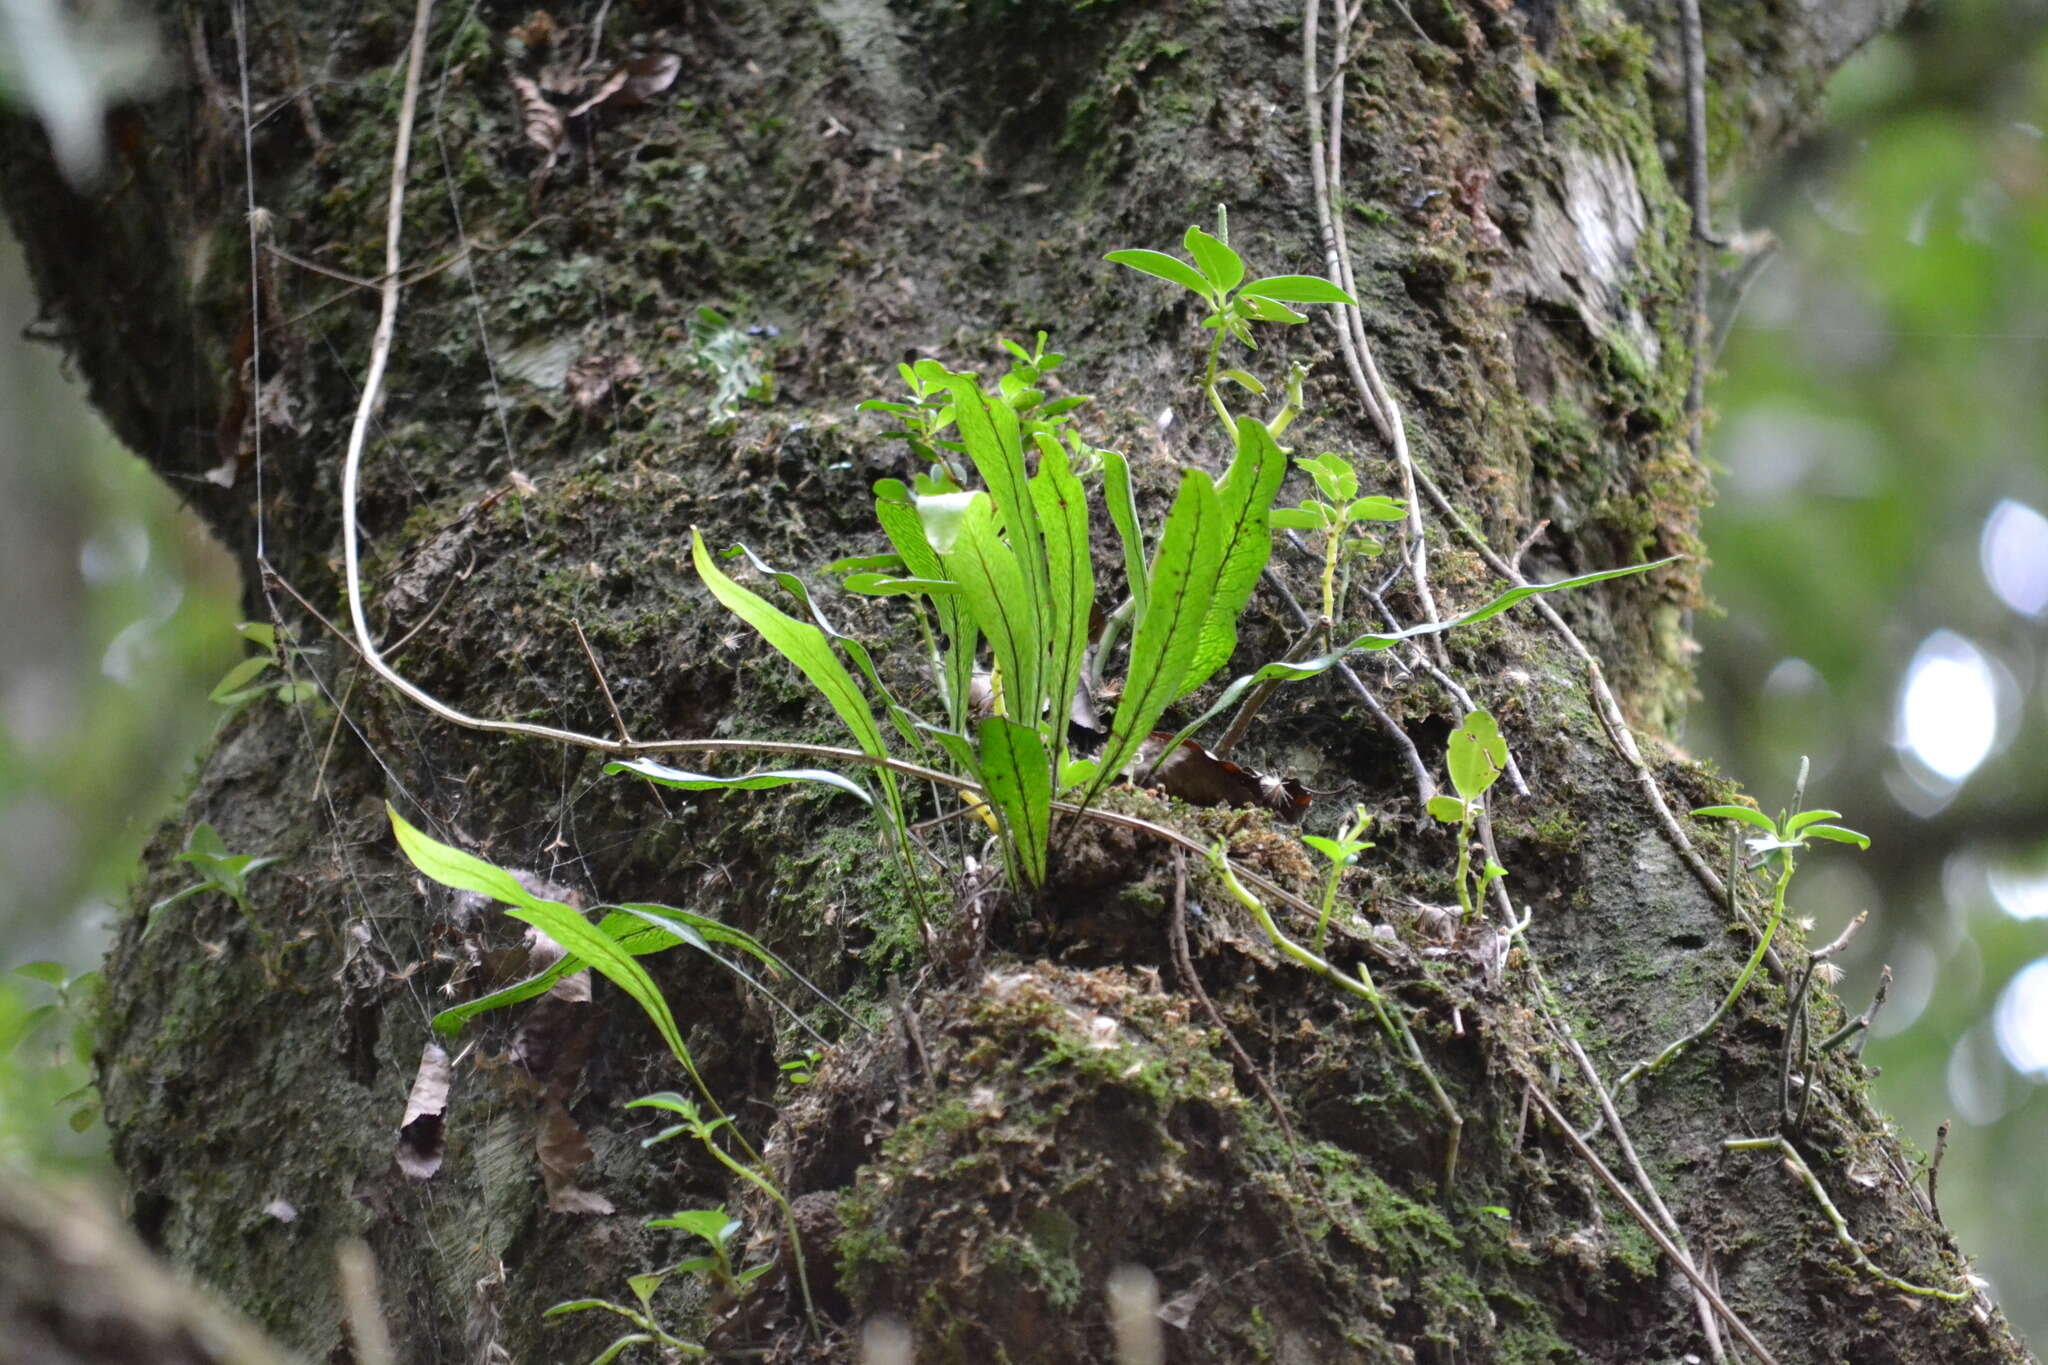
{"x": 2021, "y": 1020}
{"x": 1979, "y": 1082}
{"x": 2014, "y": 553}
{"x": 2023, "y": 895}
{"x": 1948, "y": 709}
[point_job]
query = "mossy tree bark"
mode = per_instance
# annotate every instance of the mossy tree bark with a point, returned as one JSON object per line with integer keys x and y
{"x": 855, "y": 182}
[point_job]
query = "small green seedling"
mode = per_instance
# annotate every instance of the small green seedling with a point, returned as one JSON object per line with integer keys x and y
{"x": 705, "y": 1131}
{"x": 1394, "y": 1021}
{"x": 1341, "y": 852}
{"x": 650, "y": 1333}
{"x": 1217, "y": 278}
{"x": 928, "y": 413}
{"x": 612, "y": 947}
{"x": 715, "y": 1267}
{"x": 1477, "y": 756}
{"x": 801, "y": 1070}
{"x": 1332, "y": 517}
{"x": 1772, "y": 851}
{"x": 239, "y": 684}
{"x": 219, "y": 870}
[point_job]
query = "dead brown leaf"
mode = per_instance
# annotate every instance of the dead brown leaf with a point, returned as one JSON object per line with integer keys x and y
{"x": 545, "y": 127}
{"x": 561, "y": 1147}
{"x": 426, "y": 1109}
{"x": 632, "y": 83}
{"x": 591, "y": 379}
{"x": 366, "y": 977}
{"x": 1200, "y": 778}
{"x": 559, "y": 1030}
{"x": 538, "y": 32}
{"x": 608, "y": 87}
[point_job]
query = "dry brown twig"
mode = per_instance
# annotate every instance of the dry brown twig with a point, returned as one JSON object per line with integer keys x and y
{"x": 1564, "y": 1129}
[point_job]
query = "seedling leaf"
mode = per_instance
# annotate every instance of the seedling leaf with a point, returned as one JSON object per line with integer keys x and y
{"x": 1245, "y": 498}
{"x": 1123, "y": 511}
{"x": 1183, "y": 578}
{"x": 565, "y": 925}
{"x": 1476, "y": 756}
{"x": 1747, "y": 816}
{"x": 1809, "y": 817}
{"x": 1297, "y": 289}
{"x": 626, "y": 930}
{"x": 1162, "y": 266}
{"x": 1062, "y": 505}
{"x": 1223, "y": 266}
{"x": 802, "y": 643}
{"x": 1308, "y": 668}
{"x": 996, "y": 589}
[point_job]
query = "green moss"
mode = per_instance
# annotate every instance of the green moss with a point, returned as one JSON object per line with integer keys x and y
{"x": 1559, "y": 828}
{"x": 1633, "y": 1249}
{"x": 1042, "y": 1258}
{"x": 1259, "y": 1335}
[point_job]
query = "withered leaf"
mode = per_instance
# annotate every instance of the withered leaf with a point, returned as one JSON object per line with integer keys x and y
{"x": 544, "y": 124}
{"x": 608, "y": 87}
{"x": 426, "y": 1109}
{"x": 633, "y": 82}
{"x": 1179, "y": 1310}
{"x": 1487, "y": 947}
{"x": 538, "y": 32}
{"x": 590, "y": 379}
{"x": 981, "y": 694}
{"x": 542, "y": 952}
{"x": 559, "y": 1030}
{"x": 561, "y": 1147}
{"x": 1200, "y": 778}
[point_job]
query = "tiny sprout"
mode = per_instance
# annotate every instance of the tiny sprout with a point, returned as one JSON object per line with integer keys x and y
{"x": 801, "y": 1070}
{"x": 1332, "y": 516}
{"x": 1476, "y": 757}
{"x": 1773, "y": 847}
{"x": 1341, "y": 852}
{"x": 219, "y": 870}
{"x": 1215, "y": 278}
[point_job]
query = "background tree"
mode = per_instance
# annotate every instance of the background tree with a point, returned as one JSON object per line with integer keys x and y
{"x": 1527, "y": 273}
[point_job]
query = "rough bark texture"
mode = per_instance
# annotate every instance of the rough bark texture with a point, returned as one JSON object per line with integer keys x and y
{"x": 871, "y": 181}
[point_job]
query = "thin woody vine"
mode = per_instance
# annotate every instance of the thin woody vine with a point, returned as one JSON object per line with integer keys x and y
{"x": 990, "y": 554}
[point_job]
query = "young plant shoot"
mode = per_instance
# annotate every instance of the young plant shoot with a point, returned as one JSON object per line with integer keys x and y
{"x": 1771, "y": 851}
{"x": 1332, "y": 518}
{"x": 1477, "y": 756}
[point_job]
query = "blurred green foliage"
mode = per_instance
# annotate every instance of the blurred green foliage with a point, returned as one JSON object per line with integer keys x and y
{"x": 1881, "y": 582}
{"x": 119, "y": 615}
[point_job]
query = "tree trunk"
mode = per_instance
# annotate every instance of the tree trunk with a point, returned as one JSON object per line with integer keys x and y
{"x": 1034, "y": 1096}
